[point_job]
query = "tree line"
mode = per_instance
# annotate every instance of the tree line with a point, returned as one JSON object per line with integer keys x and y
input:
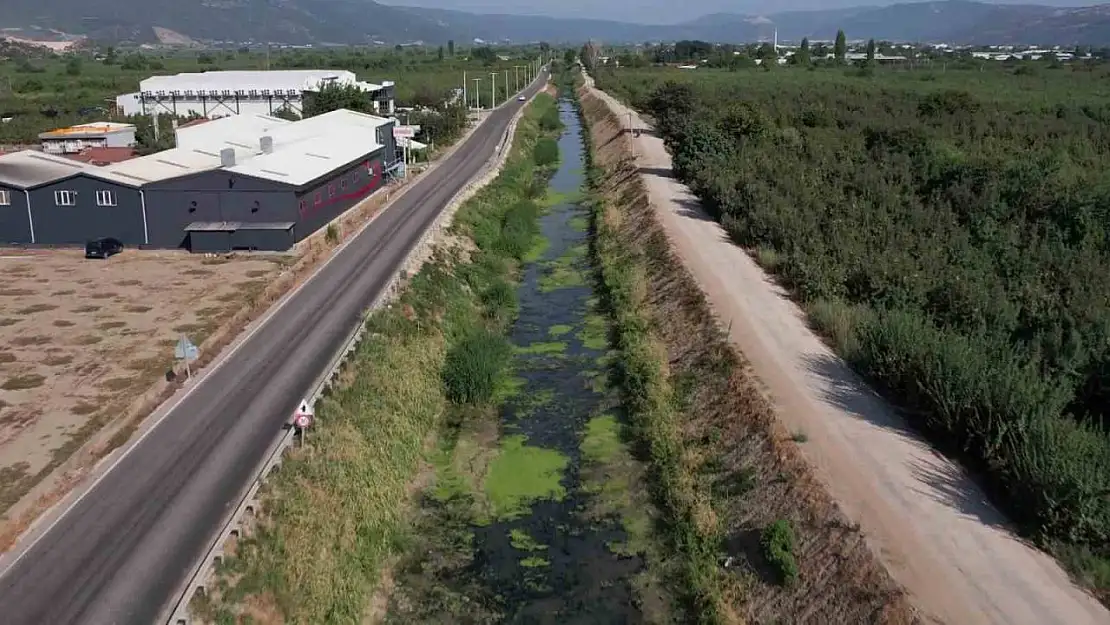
{"x": 954, "y": 245}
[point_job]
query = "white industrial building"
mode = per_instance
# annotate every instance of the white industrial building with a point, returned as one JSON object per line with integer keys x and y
{"x": 222, "y": 93}
{"x": 81, "y": 137}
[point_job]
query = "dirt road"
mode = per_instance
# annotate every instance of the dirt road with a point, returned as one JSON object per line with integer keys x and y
{"x": 928, "y": 522}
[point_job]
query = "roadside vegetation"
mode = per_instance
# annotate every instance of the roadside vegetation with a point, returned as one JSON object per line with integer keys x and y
{"x": 338, "y": 511}
{"x": 948, "y": 232}
{"x": 753, "y": 537}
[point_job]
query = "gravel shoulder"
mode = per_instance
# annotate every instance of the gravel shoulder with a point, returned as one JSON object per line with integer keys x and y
{"x": 929, "y": 523}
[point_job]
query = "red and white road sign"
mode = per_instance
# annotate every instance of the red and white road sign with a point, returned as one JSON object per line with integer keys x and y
{"x": 304, "y": 416}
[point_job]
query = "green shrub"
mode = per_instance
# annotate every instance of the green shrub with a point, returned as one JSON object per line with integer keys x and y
{"x": 474, "y": 365}
{"x": 546, "y": 152}
{"x": 549, "y": 120}
{"x": 519, "y": 229}
{"x": 331, "y": 234}
{"x": 777, "y": 544}
{"x": 500, "y": 300}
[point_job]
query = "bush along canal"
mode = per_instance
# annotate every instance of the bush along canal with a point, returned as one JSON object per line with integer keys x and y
{"x": 537, "y": 511}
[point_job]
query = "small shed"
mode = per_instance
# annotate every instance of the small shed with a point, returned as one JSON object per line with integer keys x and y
{"x": 226, "y": 236}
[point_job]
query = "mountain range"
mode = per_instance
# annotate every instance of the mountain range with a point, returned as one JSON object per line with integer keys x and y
{"x": 365, "y": 21}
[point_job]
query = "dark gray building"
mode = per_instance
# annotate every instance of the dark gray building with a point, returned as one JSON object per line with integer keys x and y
{"x": 250, "y": 182}
{"x": 236, "y": 182}
{"x": 51, "y": 200}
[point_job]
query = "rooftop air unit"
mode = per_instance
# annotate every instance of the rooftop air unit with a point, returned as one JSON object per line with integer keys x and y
{"x": 227, "y": 157}
{"x": 267, "y": 143}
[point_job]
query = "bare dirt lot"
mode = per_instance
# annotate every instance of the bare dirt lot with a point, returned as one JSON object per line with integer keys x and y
{"x": 81, "y": 340}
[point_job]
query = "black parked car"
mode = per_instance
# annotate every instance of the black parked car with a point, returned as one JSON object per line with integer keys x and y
{"x": 103, "y": 247}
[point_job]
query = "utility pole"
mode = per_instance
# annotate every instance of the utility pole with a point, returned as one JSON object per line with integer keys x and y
{"x": 506, "y": 84}
{"x": 477, "y": 95}
{"x": 516, "y": 78}
{"x": 492, "y": 89}
{"x": 466, "y": 102}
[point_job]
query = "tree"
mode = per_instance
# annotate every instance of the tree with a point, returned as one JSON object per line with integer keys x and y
{"x": 568, "y": 56}
{"x": 870, "y": 51}
{"x": 109, "y": 56}
{"x": 286, "y": 113}
{"x": 73, "y": 66}
{"x": 801, "y": 57}
{"x": 332, "y": 97}
{"x": 451, "y": 47}
{"x": 840, "y": 48}
{"x": 439, "y": 53}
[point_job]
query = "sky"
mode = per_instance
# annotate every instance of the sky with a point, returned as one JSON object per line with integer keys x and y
{"x": 661, "y": 11}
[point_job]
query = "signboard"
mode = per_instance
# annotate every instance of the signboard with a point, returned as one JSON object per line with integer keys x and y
{"x": 185, "y": 350}
{"x": 304, "y": 416}
{"x": 405, "y": 132}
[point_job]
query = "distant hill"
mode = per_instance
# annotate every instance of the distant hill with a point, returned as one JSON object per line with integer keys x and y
{"x": 364, "y": 21}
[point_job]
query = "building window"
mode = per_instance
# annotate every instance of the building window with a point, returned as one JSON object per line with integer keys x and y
{"x": 105, "y": 198}
{"x": 343, "y": 185}
{"x": 65, "y": 198}
{"x": 319, "y": 198}
{"x": 331, "y": 190}
{"x": 304, "y": 206}
{"x": 5, "y": 197}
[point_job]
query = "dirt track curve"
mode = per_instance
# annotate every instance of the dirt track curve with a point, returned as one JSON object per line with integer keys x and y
{"x": 928, "y": 522}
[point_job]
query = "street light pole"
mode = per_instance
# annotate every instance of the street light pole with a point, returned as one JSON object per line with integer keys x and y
{"x": 477, "y": 95}
{"x": 492, "y": 89}
{"x": 516, "y": 77}
{"x": 466, "y": 103}
{"x": 506, "y": 84}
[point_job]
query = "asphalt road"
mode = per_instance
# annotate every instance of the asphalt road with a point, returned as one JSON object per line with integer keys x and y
{"x": 119, "y": 555}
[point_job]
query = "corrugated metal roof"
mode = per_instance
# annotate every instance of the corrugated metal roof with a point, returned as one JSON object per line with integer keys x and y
{"x": 27, "y": 168}
{"x": 303, "y": 161}
{"x": 302, "y": 151}
{"x": 238, "y": 80}
{"x": 85, "y": 130}
{"x": 240, "y": 129}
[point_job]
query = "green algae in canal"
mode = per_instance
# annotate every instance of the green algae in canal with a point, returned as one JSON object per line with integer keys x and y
{"x": 521, "y": 475}
{"x": 542, "y": 348}
{"x": 559, "y": 329}
{"x": 540, "y": 516}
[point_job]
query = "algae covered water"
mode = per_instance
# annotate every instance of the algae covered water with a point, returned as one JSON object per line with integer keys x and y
{"x": 537, "y": 512}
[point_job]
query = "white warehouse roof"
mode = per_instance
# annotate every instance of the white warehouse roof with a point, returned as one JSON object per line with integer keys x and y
{"x": 302, "y": 151}
{"x": 259, "y": 80}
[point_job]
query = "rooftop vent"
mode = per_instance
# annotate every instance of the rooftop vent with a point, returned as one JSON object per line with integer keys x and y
{"x": 227, "y": 157}
{"x": 267, "y": 143}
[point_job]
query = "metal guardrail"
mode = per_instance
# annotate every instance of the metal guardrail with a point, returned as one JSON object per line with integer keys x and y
{"x": 248, "y": 502}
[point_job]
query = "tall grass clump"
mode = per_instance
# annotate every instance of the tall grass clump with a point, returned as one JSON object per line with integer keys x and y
{"x": 474, "y": 366}
{"x": 777, "y": 543}
{"x": 546, "y": 152}
{"x": 336, "y": 514}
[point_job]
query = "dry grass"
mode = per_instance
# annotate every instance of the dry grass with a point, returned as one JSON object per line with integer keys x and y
{"x": 750, "y": 468}
{"x": 23, "y": 382}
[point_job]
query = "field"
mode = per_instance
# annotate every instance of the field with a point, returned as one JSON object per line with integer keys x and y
{"x": 82, "y": 340}
{"x": 49, "y": 91}
{"x": 947, "y": 231}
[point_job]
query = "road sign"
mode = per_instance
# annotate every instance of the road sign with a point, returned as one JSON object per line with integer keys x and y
{"x": 185, "y": 350}
{"x": 406, "y": 132}
{"x": 304, "y": 416}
